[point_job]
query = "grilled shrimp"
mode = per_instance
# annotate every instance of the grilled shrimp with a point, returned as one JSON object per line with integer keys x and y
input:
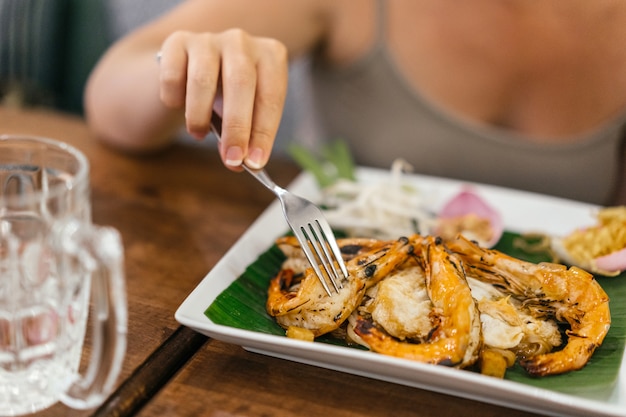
{"x": 296, "y": 262}
{"x": 398, "y": 304}
{"x": 308, "y": 306}
{"x": 509, "y": 330}
{"x": 550, "y": 291}
{"x": 455, "y": 339}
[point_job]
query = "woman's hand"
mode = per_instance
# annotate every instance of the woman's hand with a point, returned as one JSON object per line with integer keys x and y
{"x": 242, "y": 77}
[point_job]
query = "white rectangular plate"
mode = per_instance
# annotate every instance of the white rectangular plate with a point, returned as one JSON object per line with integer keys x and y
{"x": 522, "y": 212}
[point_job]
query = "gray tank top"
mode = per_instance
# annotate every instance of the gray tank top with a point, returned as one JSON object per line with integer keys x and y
{"x": 371, "y": 106}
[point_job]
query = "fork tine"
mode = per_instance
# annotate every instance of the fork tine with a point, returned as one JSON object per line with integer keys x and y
{"x": 322, "y": 254}
{"x": 308, "y": 252}
{"x": 321, "y": 243}
{"x": 329, "y": 238}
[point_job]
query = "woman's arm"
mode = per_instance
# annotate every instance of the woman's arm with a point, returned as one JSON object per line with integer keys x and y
{"x": 235, "y": 51}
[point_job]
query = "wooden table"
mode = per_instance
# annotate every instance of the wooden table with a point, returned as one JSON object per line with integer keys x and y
{"x": 179, "y": 212}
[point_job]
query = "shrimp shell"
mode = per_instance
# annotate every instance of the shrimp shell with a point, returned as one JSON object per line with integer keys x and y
{"x": 548, "y": 290}
{"x": 310, "y": 307}
{"x": 456, "y": 338}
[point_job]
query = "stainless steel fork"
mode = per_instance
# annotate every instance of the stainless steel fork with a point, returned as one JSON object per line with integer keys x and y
{"x": 308, "y": 225}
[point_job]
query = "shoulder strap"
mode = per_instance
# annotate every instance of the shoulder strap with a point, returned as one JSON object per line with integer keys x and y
{"x": 381, "y": 22}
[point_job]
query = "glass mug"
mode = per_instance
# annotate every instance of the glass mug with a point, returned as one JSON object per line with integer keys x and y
{"x": 56, "y": 270}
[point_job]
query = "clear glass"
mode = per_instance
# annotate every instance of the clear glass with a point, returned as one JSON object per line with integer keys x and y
{"x": 54, "y": 265}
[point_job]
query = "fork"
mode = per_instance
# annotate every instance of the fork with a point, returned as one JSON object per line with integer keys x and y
{"x": 308, "y": 224}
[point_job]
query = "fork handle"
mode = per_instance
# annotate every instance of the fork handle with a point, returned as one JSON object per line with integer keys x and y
{"x": 259, "y": 174}
{"x": 265, "y": 179}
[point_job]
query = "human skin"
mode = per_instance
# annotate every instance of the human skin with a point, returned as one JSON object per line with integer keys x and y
{"x": 549, "y": 69}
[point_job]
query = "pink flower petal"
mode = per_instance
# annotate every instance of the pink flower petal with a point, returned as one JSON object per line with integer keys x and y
{"x": 469, "y": 202}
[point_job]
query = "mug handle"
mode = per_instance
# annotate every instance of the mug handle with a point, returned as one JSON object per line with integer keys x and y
{"x": 100, "y": 252}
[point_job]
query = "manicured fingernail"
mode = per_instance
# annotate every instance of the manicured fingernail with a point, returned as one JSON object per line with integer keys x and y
{"x": 198, "y": 135}
{"x": 234, "y": 156}
{"x": 255, "y": 158}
